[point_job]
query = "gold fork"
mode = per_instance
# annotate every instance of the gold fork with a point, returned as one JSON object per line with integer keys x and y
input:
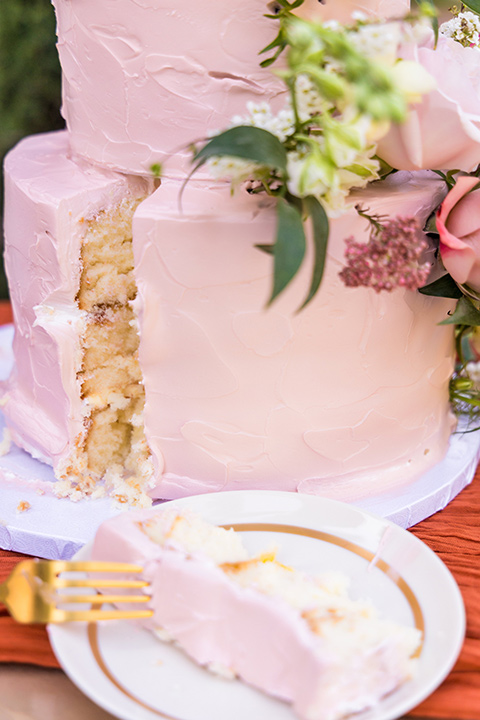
{"x": 31, "y": 592}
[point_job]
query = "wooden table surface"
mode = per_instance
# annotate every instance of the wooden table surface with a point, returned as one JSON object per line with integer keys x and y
{"x": 453, "y": 533}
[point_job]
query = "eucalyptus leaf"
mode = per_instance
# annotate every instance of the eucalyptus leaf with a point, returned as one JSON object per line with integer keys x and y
{"x": 465, "y": 313}
{"x": 289, "y": 248}
{"x": 248, "y": 143}
{"x": 320, "y": 241}
{"x": 445, "y": 287}
{"x": 472, "y": 5}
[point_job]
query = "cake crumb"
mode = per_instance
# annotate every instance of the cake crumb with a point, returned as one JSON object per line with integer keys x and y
{"x": 39, "y": 491}
{"x": 23, "y": 506}
{"x": 5, "y": 443}
{"x": 221, "y": 671}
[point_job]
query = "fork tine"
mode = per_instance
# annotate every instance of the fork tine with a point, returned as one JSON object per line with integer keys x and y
{"x": 96, "y": 599}
{"x": 59, "y": 566}
{"x": 61, "y": 616}
{"x": 30, "y": 592}
{"x": 97, "y": 583}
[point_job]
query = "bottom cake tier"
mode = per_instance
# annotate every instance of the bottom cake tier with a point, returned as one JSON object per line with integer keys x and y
{"x": 147, "y": 363}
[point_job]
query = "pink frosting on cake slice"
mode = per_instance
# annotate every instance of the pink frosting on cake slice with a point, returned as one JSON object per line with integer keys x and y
{"x": 258, "y": 635}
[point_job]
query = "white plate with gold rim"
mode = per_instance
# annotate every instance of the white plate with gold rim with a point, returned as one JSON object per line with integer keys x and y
{"x": 130, "y": 673}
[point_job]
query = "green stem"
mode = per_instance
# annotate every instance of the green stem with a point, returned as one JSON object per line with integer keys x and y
{"x": 291, "y": 83}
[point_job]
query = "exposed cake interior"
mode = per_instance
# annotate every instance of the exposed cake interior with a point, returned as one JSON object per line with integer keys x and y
{"x": 110, "y": 376}
{"x": 322, "y": 601}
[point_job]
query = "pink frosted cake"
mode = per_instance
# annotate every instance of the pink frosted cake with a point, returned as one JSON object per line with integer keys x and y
{"x": 224, "y": 393}
{"x": 146, "y": 361}
{"x": 296, "y": 637}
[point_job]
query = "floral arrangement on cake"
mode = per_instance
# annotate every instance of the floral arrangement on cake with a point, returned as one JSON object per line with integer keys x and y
{"x": 365, "y": 100}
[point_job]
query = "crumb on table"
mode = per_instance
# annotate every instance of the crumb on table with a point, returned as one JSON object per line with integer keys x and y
{"x": 23, "y": 505}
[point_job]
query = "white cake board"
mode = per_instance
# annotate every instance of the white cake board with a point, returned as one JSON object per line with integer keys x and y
{"x": 57, "y": 529}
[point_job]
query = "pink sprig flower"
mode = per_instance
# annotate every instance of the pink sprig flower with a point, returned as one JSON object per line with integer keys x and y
{"x": 392, "y": 258}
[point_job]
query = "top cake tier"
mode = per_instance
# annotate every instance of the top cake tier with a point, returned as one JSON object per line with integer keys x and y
{"x": 144, "y": 79}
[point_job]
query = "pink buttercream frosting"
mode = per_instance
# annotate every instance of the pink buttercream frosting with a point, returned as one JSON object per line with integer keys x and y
{"x": 343, "y": 398}
{"x": 171, "y": 72}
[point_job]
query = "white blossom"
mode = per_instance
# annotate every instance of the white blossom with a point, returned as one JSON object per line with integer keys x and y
{"x": 473, "y": 372}
{"x": 309, "y": 101}
{"x": 333, "y": 25}
{"x": 307, "y": 175}
{"x": 378, "y": 40}
{"x": 464, "y": 28}
{"x": 261, "y": 115}
{"x": 359, "y": 16}
{"x": 312, "y": 172}
{"x": 233, "y": 169}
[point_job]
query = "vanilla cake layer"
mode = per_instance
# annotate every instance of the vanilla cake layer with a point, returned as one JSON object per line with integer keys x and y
{"x": 172, "y": 71}
{"x": 75, "y": 397}
{"x": 345, "y": 398}
{"x": 297, "y": 637}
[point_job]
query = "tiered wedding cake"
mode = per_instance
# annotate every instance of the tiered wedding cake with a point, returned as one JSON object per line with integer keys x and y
{"x": 146, "y": 360}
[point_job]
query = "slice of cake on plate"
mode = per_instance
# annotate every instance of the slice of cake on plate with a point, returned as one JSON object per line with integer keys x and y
{"x": 296, "y": 637}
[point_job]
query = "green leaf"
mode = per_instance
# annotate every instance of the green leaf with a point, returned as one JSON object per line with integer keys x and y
{"x": 472, "y": 5}
{"x": 385, "y": 168}
{"x": 156, "y": 170}
{"x": 359, "y": 170}
{"x": 428, "y": 9}
{"x": 279, "y": 42}
{"x": 465, "y": 313}
{"x": 431, "y": 225}
{"x": 249, "y": 143}
{"x": 320, "y": 241}
{"x": 269, "y": 249}
{"x": 444, "y": 286}
{"x": 289, "y": 248}
{"x": 436, "y": 29}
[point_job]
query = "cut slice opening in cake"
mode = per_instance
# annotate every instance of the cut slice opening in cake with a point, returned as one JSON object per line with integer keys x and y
{"x": 114, "y": 446}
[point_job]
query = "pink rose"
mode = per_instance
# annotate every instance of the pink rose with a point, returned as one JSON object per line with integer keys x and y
{"x": 458, "y": 222}
{"x": 442, "y": 131}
